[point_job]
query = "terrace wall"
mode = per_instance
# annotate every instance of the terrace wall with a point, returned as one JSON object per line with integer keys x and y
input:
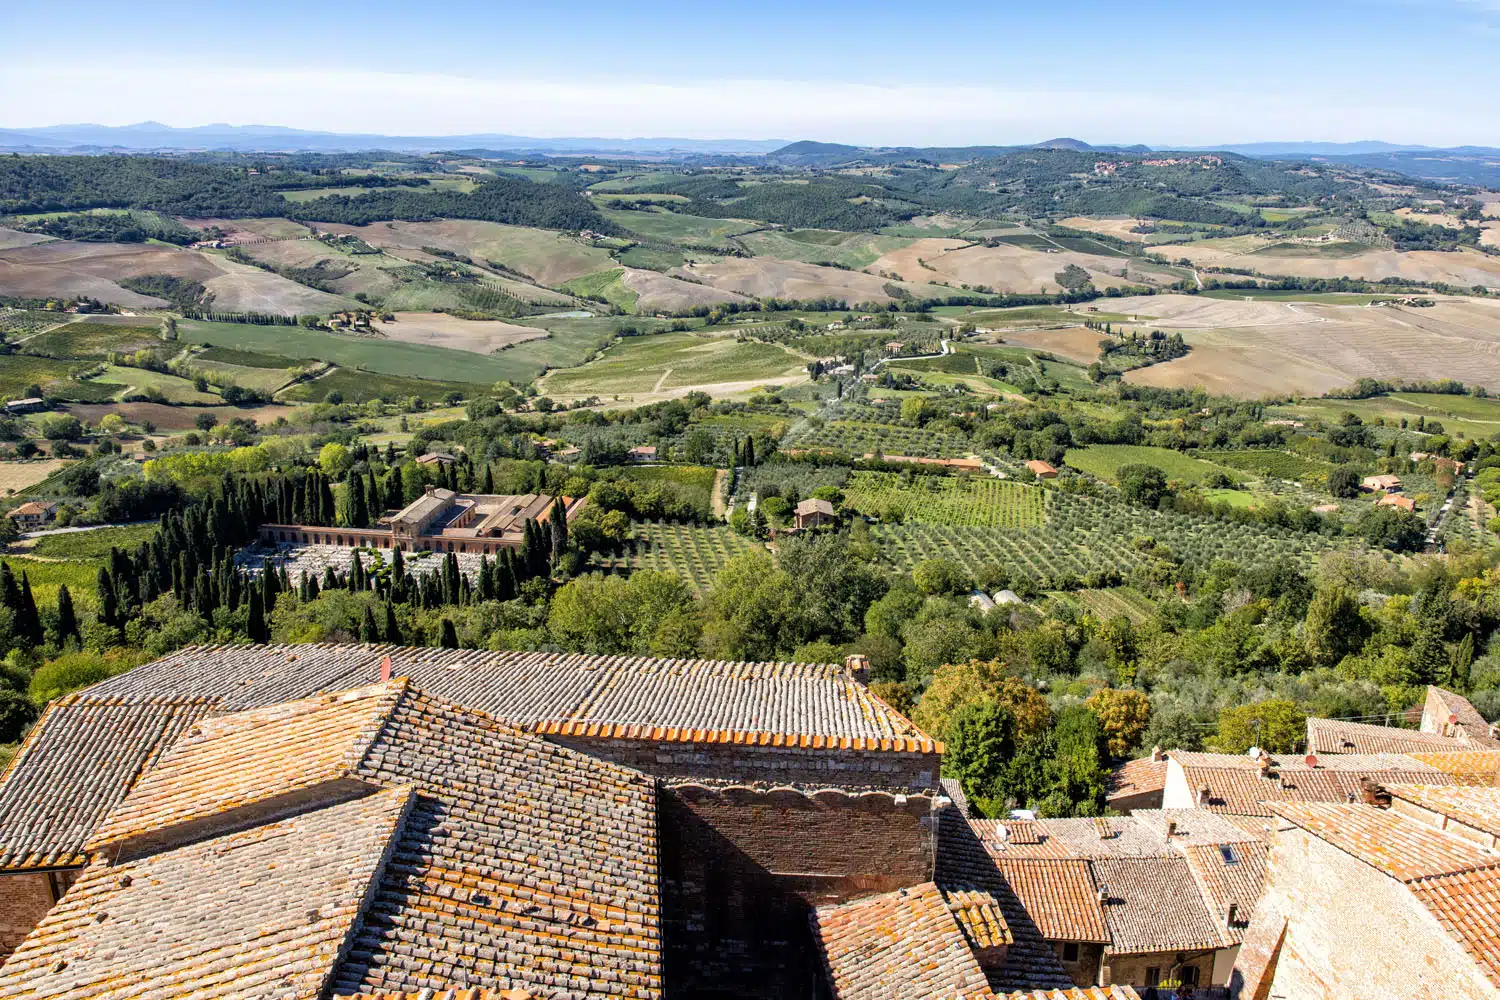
{"x": 380, "y": 538}
{"x": 25, "y": 898}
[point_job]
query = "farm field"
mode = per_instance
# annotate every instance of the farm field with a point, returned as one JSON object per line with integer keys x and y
{"x": 545, "y": 257}
{"x": 443, "y": 330}
{"x": 952, "y": 500}
{"x": 1463, "y": 269}
{"x": 1105, "y": 460}
{"x": 858, "y": 437}
{"x": 1077, "y": 344}
{"x": 17, "y": 476}
{"x": 87, "y": 339}
{"x": 245, "y": 376}
{"x": 1083, "y": 535}
{"x": 822, "y": 246}
{"x": 17, "y": 371}
{"x": 1272, "y": 463}
{"x": 174, "y": 418}
{"x": 174, "y": 388}
{"x": 46, "y": 576}
{"x": 674, "y": 227}
{"x": 1005, "y": 268}
{"x": 1249, "y": 349}
{"x": 693, "y": 552}
{"x": 391, "y": 357}
{"x": 358, "y": 386}
{"x": 65, "y": 269}
{"x": 1467, "y": 415}
{"x": 607, "y": 285}
{"x": 1114, "y": 602}
{"x": 655, "y": 292}
{"x": 763, "y": 277}
{"x": 692, "y": 482}
{"x": 677, "y": 361}
{"x": 89, "y": 545}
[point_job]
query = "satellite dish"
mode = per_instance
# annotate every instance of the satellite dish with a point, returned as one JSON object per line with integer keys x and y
{"x": 1312, "y": 760}
{"x": 1452, "y": 718}
{"x": 1254, "y": 753}
{"x": 1002, "y": 832}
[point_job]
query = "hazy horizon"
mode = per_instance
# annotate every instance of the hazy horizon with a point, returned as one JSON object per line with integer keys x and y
{"x": 1161, "y": 73}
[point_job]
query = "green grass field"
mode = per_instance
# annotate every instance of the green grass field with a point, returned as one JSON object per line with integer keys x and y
{"x": 246, "y": 359}
{"x": 264, "y": 379}
{"x": 17, "y": 371}
{"x": 313, "y": 194}
{"x": 175, "y": 388}
{"x": 673, "y": 360}
{"x": 1272, "y": 463}
{"x": 823, "y": 246}
{"x": 1335, "y": 250}
{"x": 1105, "y": 460}
{"x": 361, "y": 386}
{"x": 652, "y": 258}
{"x": 45, "y": 577}
{"x": 1235, "y": 498}
{"x": 693, "y": 552}
{"x": 1471, "y": 416}
{"x": 388, "y": 357}
{"x": 672, "y": 227}
{"x": 606, "y": 285}
{"x": 94, "y": 340}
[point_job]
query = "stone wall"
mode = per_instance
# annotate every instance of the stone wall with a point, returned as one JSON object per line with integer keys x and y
{"x": 1349, "y": 930}
{"x": 742, "y": 869}
{"x": 1130, "y": 970}
{"x": 827, "y": 767}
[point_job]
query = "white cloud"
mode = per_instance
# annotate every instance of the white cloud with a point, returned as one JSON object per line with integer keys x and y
{"x": 361, "y": 100}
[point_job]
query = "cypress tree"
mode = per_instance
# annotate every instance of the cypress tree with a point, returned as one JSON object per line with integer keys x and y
{"x": 558, "y": 520}
{"x": 486, "y": 579}
{"x": 451, "y": 578}
{"x": 489, "y": 479}
{"x": 109, "y": 606}
{"x": 312, "y": 588}
{"x": 10, "y": 591}
{"x": 270, "y": 585}
{"x": 29, "y": 623}
{"x": 394, "y": 498}
{"x": 330, "y": 579}
{"x": 257, "y": 623}
{"x": 357, "y": 574}
{"x": 749, "y": 451}
{"x": 304, "y": 594}
{"x": 368, "y": 630}
{"x": 392, "y": 627}
{"x": 67, "y": 620}
{"x": 449, "y": 637}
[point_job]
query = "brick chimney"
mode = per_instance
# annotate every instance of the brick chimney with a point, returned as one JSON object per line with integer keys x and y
{"x": 385, "y": 669}
{"x": 1103, "y": 895}
{"x": 1375, "y": 793}
{"x": 1203, "y": 796}
{"x": 1233, "y": 912}
{"x": 1158, "y": 754}
{"x": 858, "y": 665}
{"x": 1171, "y": 828}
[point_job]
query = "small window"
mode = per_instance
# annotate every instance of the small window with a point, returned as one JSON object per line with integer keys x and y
{"x": 1153, "y": 975}
{"x": 1227, "y": 852}
{"x": 1188, "y": 975}
{"x": 1070, "y": 951}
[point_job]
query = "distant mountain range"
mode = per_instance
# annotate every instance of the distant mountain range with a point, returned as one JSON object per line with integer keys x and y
{"x": 1462, "y": 164}
{"x": 156, "y": 137}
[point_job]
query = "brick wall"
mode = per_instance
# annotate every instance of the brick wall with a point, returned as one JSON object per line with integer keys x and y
{"x": 24, "y": 901}
{"x": 1350, "y": 930}
{"x": 771, "y": 765}
{"x": 741, "y": 870}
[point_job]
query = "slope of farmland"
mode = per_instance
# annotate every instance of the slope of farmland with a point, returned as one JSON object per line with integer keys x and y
{"x": 1005, "y": 268}
{"x": 763, "y": 277}
{"x": 663, "y": 293}
{"x": 546, "y": 257}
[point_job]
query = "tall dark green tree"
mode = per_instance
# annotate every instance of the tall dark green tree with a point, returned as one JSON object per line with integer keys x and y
{"x": 558, "y": 521}
{"x": 368, "y": 630}
{"x": 29, "y": 622}
{"x": 67, "y": 619}
{"x": 448, "y": 638}
{"x": 109, "y": 606}
{"x": 392, "y": 627}
{"x": 256, "y": 627}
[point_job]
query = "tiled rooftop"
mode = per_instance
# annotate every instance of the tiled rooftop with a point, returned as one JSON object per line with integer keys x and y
{"x": 1398, "y": 845}
{"x": 1058, "y": 895}
{"x": 902, "y": 945}
{"x": 1471, "y": 806}
{"x": 1458, "y": 881}
{"x": 1468, "y": 767}
{"x": 1235, "y": 783}
{"x": 1153, "y": 904}
{"x": 980, "y": 916}
{"x": 1080, "y": 993}
{"x": 963, "y": 862}
{"x": 1229, "y": 873}
{"x": 1333, "y": 736}
{"x": 520, "y": 864}
{"x": 256, "y": 915}
{"x": 76, "y": 765}
{"x": 1139, "y": 777}
{"x": 1471, "y": 725}
{"x": 553, "y": 692}
{"x": 475, "y": 994}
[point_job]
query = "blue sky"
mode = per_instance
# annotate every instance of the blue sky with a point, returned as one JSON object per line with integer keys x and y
{"x": 1164, "y": 72}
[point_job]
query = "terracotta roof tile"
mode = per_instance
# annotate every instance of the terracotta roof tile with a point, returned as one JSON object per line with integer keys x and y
{"x": 980, "y": 916}
{"x": 1229, "y": 874}
{"x": 536, "y": 690}
{"x": 1058, "y": 895}
{"x": 1472, "y": 725}
{"x": 1468, "y": 767}
{"x": 1385, "y": 839}
{"x": 1235, "y": 784}
{"x": 76, "y": 764}
{"x": 1139, "y": 777}
{"x": 1475, "y": 807}
{"x": 903, "y": 945}
{"x": 963, "y": 862}
{"x": 1467, "y": 904}
{"x": 1153, "y": 904}
{"x": 256, "y": 915}
{"x": 471, "y": 994}
{"x": 1333, "y": 736}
